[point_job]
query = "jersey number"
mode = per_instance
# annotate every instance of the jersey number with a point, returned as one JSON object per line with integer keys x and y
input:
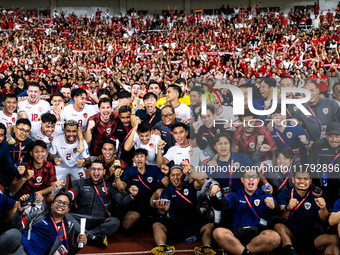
{"x": 80, "y": 123}
{"x": 68, "y": 156}
{"x": 34, "y": 116}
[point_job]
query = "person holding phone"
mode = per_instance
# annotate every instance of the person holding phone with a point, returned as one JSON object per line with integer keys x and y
{"x": 179, "y": 202}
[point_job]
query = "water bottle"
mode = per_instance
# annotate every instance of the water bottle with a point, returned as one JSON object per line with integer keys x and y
{"x": 191, "y": 239}
{"x": 265, "y": 187}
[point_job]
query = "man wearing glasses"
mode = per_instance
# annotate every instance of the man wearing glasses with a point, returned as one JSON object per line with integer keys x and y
{"x": 166, "y": 126}
{"x": 94, "y": 196}
{"x": 47, "y": 232}
{"x": 252, "y": 210}
{"x": 19, "y": 141}
{"x": 302, "y": 212}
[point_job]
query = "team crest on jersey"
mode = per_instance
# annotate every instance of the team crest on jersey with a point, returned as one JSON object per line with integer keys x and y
{"x": 186, "y": 192}
{"x": 325, "y": 110}
{"x": 237, "y": 165}
{"x": 50, "y": 138}
{"x": 257, "y": 202}
{"x": 295, "y": 108}
{"x": 74, "y": 150}
{"x": 40, "y": 109}
{"x": 289, "y": 134}
{"x": 13, "y": 120}
{"x": 191, "y": 152}
{"x": 103, "y": 189}
{"x": 38, "y": 179}
{"x": 108, "y": 130}
{"x": 150, "y": 179}
{"x": 252, "y": 145}
{"x": 151, "y": 145}
{"x": 218, "y": 131}
{"x": 85, "y": 115}
{"x": 307, "y": 205}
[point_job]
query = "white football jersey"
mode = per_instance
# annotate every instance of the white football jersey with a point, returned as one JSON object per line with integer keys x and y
{"x": 33, "y": 111}
{"x": 37, "y": 134}
{"x": 70, "y": 113}
{"x": 151, "y": 147}
{"x": 183, "y": 111}
{"x": 60, "y": 123}
{"x": 8, "y": 120}
{"x": 68, "y": 153}
{"x": 178, "y": 154}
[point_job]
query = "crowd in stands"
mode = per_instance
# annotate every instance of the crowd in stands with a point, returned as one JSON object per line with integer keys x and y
{"x": 102, "y": 118}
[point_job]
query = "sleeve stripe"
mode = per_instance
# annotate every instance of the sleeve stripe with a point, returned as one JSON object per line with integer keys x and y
{"x": 166, "y": 159}
{"x": 24, "y": 222}
{"x": 74, "y": 195}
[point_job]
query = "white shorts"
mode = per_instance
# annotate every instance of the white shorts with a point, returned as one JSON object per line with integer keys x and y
{"x": 76, "y": 173}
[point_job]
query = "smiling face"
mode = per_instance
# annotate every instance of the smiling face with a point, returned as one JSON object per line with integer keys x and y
{"x": 105, "y": 110}
{"x": 168, "y": 117}
{"x": 333, "y": 140}
{"x": 302, "y": 181}
{"x": 180, "y": 135}
{"x": 67, "y": 94}
{"x": 125, "y": 118}
{"x": 21, "y": 132}
{"x": 10, "y": 105}
{"x": 265, "y": 90}
{"x": 71, "y": 133}
{"x": 80, "y": 101}
{"x": 250, "y": 181}
{"x": 108, "y": 151}
{"x": 208, "y": 119}
{"x": 248, "y": 129}
{"x": 38, "y": 154}
{"x": 60, "y": 206}
{"x": 144, "y": 137}
{"x": 57, "y": 101}
{"x": 33, "y": 93}
{"x": 47, "y": 128}
{"x": 314, "y": 91}
{"x": 154, "y": 88}
{"x": 278, "y": 119}
{"x": 97, "y": 172}
{"x": 177, "y": 178}
{"x": 150, "y": 104}
{"x": 283, "y": 162}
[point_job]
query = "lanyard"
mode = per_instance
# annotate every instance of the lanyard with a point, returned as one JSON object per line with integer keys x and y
{"x": 314, "y": 115}
{"x": 231, "y": 171}
{"x": 283, "y": 141}
{"x": 140, "y": 179}
{"x": 299, "y": 204}
{"x": 289, "y": 113}
{"x": 100, "y": 197}
{"x": 211, "y": 133}
{"x": 335, "y": 158}
{"x": 182, "y": 196}
{"x": 127, "y": 136}
{"x": 19, "y": 157}
{"x": 167, "y": 128}
{"x": 153, "y": 116}
{"x": 251, "y": 207}
{"x": 285, "y": 180}
{"x": 58, "y": 233}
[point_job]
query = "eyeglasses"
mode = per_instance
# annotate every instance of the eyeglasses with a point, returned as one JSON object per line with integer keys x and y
{"x": 62, "y": 203}
{"x": 167, "y": 115}
{"x": 96, "y": 169}
{"x": 24, "y": 130}
{"x": 248, "y": 177}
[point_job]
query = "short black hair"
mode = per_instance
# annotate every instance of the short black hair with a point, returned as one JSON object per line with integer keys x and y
{"x": 97, "y": 161}
{"x": 143, "y": 127}
{"x": 288, "y": 153}
{"x": 58, "y": 94}
{"x": 64, "y": 87}
{"x": 181, "y": 80}
{"x": 10, "y": 95}
{"x": 169, "y": 106}
{"x": 38, "y": 143}
{"x": 124, "y": 94}
{"x": 180, "y": 124}
{"x": 278, "y": 109}
{"x": 154, "y": 82}
{"x": 104, "y": 100}
{"x": 271, "y": 82}
{"x": 197, "y": 89}
{"x": 24, "y": 122}
{"x": 78, "y": 92}
{"x": 210, "y": 108}
{"x": 62, "y": 193}
{"x": 110, "y": 141}
{"x": 124, "y": 108}
{"x": 333, "y": 87}
{"x": 176, "y": 88}
{"x": 247, "y": 113}
{"x": 33, "y": 84}
{"x": 140, "y": 151}
{"x": 104, "y": 92}
{"x": 48, "y": 118}
{"x": 148, "y": 95}
{"x": 218, "y": 136}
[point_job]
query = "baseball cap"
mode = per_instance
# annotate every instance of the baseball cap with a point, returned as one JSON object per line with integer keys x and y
{"x": 333, "y": 128}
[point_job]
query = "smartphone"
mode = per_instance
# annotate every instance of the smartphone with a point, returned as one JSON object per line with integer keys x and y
{"x": 166, "y": 204}
{"x": 30, "y": 199}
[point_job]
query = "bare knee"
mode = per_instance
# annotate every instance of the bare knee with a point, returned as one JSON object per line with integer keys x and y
{"x": 220, "y": 234}
{"x": 158, "y": 226}
{"x": 271, "y": 238}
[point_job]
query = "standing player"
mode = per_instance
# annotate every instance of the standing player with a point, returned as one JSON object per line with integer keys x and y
{"x": 101, "y": 126}
{"x": 70, "y": 161}
{"x": 33, "y": 107}
{"x": 79, "y": 111}
{"x": 8, "y": 116}
{"x": 173, "y": 95}
{"x": 58, "y": 104}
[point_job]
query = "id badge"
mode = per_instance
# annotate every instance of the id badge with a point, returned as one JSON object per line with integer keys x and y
{"x": 263, "y": 222}
{"x": 226, "y": 191}
{"x": 61, "y": 250}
